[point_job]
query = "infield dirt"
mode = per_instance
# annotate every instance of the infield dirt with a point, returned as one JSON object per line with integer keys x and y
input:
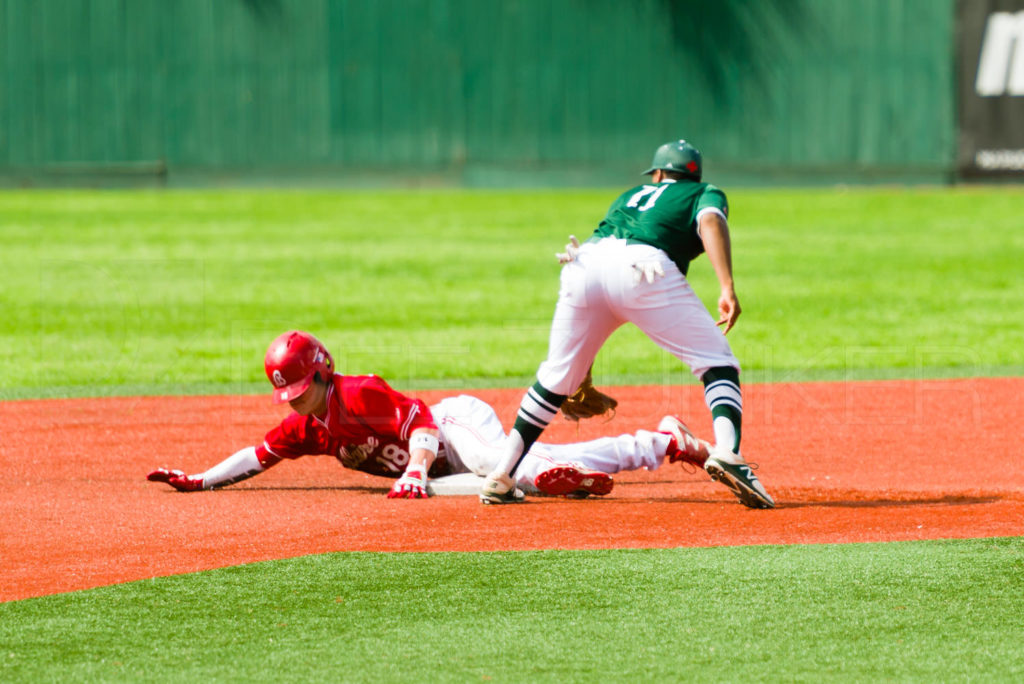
{"x": 846, "y": 462}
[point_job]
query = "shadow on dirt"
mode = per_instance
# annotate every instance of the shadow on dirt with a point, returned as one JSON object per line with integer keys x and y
{"x": 892, "y": 503}
{"x": 308, "y": 488}
{"x": 816, "y": 500}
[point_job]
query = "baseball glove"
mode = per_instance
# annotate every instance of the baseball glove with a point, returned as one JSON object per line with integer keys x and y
{"x": 588, "y": 401}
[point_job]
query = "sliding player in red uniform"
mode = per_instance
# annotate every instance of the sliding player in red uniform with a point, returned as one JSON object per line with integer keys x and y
{"x": 370, "y": 427}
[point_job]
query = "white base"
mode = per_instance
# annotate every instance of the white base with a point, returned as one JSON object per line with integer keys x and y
{"x": 462, "y": 484}
{"x": 465, "y": 484}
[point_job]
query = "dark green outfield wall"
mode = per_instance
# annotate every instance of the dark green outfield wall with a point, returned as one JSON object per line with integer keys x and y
{"x": 473, "y": 91}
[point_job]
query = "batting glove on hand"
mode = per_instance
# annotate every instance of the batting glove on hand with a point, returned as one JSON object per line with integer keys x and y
{"x": 412, "y": 485}
{"x": 571, "y": 251}
{"x": 647, "y": 270}
{"x": 177, "y": 479}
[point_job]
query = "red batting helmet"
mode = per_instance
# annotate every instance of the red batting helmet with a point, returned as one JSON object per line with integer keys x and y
{"x": 291, "y": 362}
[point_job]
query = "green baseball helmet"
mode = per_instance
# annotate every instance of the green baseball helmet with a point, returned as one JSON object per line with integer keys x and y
{"x": 679, "y": 156}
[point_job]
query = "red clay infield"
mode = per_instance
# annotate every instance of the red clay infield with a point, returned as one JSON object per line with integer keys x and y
{"x": 847, "y": 462}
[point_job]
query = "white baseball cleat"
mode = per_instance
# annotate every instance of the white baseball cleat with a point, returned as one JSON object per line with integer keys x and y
{"x": 500, "y": 489}
{"x": 731, "y": 470}
{"x": 687, "y": 448}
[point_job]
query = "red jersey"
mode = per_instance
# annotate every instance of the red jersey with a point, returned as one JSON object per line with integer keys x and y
{"x": 367, "y": 428}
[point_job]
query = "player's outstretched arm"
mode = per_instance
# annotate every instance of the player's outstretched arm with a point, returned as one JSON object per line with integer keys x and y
{"x": 241, "y": 465}
{"x": 423, "y": 446}
{"x": 714, "y": 233}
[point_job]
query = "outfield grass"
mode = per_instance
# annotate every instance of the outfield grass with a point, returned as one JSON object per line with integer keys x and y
{"x": 180, "y": 292}
{"x": 926, "y": 611}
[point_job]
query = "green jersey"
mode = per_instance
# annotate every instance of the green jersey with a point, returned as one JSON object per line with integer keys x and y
{"x": 664, "y": 216}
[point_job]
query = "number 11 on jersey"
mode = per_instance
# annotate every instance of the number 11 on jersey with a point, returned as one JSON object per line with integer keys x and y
{"x": 653, "y": 190}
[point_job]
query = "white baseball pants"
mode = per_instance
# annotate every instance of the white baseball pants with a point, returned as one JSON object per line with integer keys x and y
{"x": 599, "y": 293}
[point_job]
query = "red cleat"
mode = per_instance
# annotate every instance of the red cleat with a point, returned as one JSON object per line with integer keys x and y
{"x": 684, "y": 446}
{"x": 573, "y": 481}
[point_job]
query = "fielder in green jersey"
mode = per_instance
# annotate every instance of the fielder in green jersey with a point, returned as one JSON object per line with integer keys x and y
{"x": 633, "y": 270}
{"x": 663, "y": 216}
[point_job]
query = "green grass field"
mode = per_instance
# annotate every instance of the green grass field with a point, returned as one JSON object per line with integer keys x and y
{"x": 925, "y": 611}
{"x": 180, "y": 292}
